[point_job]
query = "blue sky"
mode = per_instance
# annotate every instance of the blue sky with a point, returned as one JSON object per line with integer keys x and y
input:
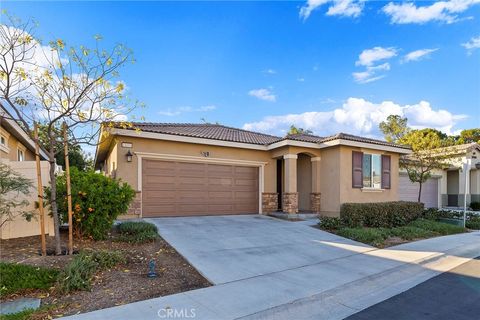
{"x": 266, "y": 65}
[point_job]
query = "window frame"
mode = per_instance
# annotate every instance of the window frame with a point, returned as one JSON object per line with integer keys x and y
{"x": 4, "y": 146}
{"x": 379, "y": 174}
{"x": 20, "y": 151}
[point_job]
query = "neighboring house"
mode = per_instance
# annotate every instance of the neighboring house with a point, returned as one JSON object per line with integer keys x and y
{"x": 447, "y": 186}
{"x": 209, "y": 169}
{"x": 17, "y": 150}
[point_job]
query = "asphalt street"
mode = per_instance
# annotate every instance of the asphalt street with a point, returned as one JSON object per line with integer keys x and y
{"x": 453, "y": 295}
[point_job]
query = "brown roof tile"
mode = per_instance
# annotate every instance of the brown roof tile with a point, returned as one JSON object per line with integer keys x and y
{"x": 207, "y": 131}
{"x": 224, "y": 133}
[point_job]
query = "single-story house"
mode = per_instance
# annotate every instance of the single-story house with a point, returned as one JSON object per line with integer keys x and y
{"x": 448, "y": 186}
{"x": 17, "y": 150}
{"x": 210, "y": 169}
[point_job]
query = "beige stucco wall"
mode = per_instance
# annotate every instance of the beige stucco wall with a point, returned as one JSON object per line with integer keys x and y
{"x": 349, "y": 194}
{"x": 129, "y": 171}
{"x": 329, "y": 181}
{"x": 304, "y": 181}
{"x": 13, "y": 145}
{"x": 20, "y": 227}
{"x": 333, "y": 168}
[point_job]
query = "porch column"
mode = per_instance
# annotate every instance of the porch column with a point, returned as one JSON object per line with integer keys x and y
{"x": 290, "y": 194}
{"x": 315, "y": 195}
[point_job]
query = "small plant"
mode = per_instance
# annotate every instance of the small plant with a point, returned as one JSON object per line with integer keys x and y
{"x": 96, "y": 200}
{"x": 13, "y": 189}
{"x": 79, "y": 272}
{"x": 15, "y": 277}
{"x": 473, "y": 223}
{"x": 438, "y": 227}
{"x": 372, "y": 236}
{"x": 475, "y": 205}
{"x": 137, "y": 232}
{"x": 330, "y": 223}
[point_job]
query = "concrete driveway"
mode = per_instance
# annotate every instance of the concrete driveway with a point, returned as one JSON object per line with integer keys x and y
{"x": 265, "y": 268}
{"x": 231, "y": 248}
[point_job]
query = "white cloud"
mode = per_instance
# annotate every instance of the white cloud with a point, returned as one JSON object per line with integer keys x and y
{"x": 418, "y": 55}
{"x": 263, "y": 94}
{"x": 172, "y": 112}
{"x": 270, "y": 71}
{"x": 370, "y": 56}
{"x": 359, "y": 116}
{"x": 345, "y": 8}
{"x": 472, "y": 45}
{"x": 301, "y": 79}
{"x": 444, "y": 11}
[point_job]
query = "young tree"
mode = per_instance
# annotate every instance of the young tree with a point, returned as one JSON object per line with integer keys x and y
{"x": 77, "y": 158}
{"x": 427, "y": 155}
{"x": 55, "y": 84}
{"x": 13, "y": 186}
{"x": 394, "y": 128}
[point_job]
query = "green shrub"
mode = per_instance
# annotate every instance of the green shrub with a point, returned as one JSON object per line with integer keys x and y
{"x": 15, "y": 277}
{"x": 97, "y": 201}
{"x": 380, "y": 214}
{"x": 475, "y": 205}
{"x": 473, "y": 223}
{"x": 438, "y": 227}
{"x": 411, "y": 233}
{"x": 330, "y": 223}
{"x": 137, "y": 232}
{"x": 372, "y": 236}
{"x": 78, "y": 274}
{"x": 22, "y": 315}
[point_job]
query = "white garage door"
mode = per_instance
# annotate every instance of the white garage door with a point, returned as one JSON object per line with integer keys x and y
{"x": 408, "y": 191}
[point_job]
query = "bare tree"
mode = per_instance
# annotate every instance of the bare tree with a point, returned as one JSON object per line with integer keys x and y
{"x": 54, "y": 84}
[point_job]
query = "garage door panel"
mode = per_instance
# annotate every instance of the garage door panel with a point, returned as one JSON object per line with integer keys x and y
{"x": 220, "y": 182}
{"x": 179, "y": 188}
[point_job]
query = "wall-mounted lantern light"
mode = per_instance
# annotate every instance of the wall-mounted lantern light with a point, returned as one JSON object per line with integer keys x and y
{"x": 129, "y": 156}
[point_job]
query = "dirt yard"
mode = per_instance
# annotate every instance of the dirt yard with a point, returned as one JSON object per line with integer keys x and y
{"x": 123, "y": 284}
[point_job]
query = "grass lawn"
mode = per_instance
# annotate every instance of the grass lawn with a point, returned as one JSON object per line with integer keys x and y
{"x": 384, "y": 237}
{"x": 16, "y": 277}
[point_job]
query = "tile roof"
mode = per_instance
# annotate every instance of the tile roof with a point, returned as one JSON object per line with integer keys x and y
{"x": 304, "y": 137}
{"x": 207, "y": 131}
{"x": 351, "y": 137}
{"x": 224, "y": 133}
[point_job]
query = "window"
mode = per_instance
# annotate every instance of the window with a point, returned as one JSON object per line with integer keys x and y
{"x": 372, "y": 168}
{"x": 4, "y": 143}
{"x": 370, "y": 171}
{"x": 20, "y": 155}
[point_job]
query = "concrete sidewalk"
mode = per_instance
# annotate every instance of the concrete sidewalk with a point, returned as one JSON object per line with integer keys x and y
{"x": 331, "y": 289}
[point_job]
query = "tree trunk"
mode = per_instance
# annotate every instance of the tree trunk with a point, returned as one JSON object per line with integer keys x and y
{"x": 53, "y": 196}
{"x": 420, "y": 192}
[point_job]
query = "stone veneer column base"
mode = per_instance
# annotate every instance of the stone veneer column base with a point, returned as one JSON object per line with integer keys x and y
{"x": 290, "y": 202}
{"x": 269, "y": 202}
{"x": 315, "y": 202}
{"x": 136, "y": 205}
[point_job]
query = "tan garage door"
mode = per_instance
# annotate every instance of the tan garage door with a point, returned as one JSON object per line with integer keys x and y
{"x": 408, "y": 191}
{"x": 171, "y": 188}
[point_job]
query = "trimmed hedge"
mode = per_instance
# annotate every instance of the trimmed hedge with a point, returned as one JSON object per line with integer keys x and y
{"x": 380, "y": 214}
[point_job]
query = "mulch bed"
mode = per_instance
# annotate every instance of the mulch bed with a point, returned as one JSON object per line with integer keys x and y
{"x": 123, "y": 284}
